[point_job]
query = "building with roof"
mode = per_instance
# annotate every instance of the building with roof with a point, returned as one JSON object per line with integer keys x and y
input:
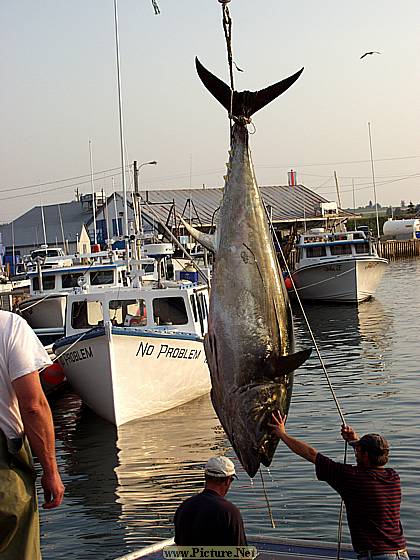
{"x": 60, "y": 224}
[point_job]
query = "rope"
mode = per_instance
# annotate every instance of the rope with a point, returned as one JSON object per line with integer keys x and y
{"x": 340, "y": 519}
{"x": 155, "y": 7}
{"x": 343, "y": 421}
{"x": 323, "y": 281}
{"x": 227, "y": 29}
{"x": 266, "y": 499}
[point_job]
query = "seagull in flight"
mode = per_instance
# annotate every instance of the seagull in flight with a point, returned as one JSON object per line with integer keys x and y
{"x": 370, "y": 52}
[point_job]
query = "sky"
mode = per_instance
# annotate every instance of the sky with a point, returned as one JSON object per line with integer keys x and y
{"x": 59, "y": 91}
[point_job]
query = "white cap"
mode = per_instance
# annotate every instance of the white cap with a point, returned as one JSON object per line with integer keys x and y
{"x": 220, "y": 467}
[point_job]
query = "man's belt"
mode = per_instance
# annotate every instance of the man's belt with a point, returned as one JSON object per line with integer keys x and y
{"x": 372, "y": 553}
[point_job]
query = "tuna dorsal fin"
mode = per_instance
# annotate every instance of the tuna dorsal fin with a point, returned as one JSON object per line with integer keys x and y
{"x": 245, "y": 103}
{"x": 287, "y": 364}
{"x": 207, "y": 240}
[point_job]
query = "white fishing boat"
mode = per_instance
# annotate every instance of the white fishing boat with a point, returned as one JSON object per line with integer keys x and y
{"x": 135, "y": 352}
{"x": 49, "y": 257}
{"x": 45, "y": 308}
{"x": 337, "y": 267}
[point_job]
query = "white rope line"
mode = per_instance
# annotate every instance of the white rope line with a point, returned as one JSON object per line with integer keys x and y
{"x": 64, "y": 351}
{"x": 38, "y": 302}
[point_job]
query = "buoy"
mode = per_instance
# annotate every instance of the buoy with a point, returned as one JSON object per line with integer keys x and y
{"x": 53, "y": 374}
{"x": 288, "y": 283}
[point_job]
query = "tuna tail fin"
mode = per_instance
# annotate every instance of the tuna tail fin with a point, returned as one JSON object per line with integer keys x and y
{"x": 245, "y": 103}
{"x": 206, "y": 239}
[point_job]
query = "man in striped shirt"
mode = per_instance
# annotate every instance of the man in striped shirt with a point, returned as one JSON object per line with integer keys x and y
{"x": 371, "y": 492}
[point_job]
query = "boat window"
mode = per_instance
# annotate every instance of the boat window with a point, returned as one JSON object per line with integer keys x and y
{"x": 317, "y": 251}
{"x": 99, "y": 277}
{"x": 194, "y": 307}
{"x": 200, "y": 315}
{"x": 86, "y": 314}
{"x": 203, "y": 305}
{"x": 128, "y": 312}
{"x": 147, "y": 268}
{"x": 170, "y": 311}
{"x": 70, "y": 280}
{"x": 342, "y": 249}
{"x": 362, "y": 248}
{"x": 48, "y": 283}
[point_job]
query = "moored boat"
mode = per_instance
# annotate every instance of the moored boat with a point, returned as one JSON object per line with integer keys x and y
{"x": 135, "y": 352}
{"x": 337, "y": 267}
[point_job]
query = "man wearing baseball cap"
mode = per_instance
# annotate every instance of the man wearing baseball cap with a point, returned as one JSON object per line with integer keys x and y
{"x": 208, "y": 519}
{"x": 371, "y": 492}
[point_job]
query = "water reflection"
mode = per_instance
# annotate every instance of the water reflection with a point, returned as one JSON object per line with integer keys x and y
{"x": 122, "y": 488}
{"x": 161, "y": 463}
{"x": 130, "y": 480}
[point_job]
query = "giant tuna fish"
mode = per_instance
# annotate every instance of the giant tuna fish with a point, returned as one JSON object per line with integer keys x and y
{"x": 249, "y": 345}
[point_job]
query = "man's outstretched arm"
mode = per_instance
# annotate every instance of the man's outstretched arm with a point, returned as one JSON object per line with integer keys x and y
{"x": 299, "y": 447}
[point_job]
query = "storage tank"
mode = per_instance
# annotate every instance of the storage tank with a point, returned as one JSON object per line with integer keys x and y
{"x": 402, "y": 229}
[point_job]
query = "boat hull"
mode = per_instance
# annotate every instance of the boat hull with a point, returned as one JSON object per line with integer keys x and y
{"x": 344, "y": 280}
{"x": 41, "y": 312}
{"x": 123, "y": 374}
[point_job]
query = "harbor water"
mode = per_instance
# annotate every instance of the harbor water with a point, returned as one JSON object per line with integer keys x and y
{"x": 122, "y": 487}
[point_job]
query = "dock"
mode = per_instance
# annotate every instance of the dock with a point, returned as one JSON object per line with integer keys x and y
{"x": 271, "y": 549}
{"x": 395, "y": 249}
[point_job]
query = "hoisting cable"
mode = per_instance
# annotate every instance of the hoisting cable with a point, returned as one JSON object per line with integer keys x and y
{"x": 227, "y": 29}
{"x": 155, "y": 7}
{"x": 343, "y": 421}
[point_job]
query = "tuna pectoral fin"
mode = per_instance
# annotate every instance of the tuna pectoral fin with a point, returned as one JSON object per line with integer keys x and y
{"x": 245, "y": 103}
{"x": 205, "y": 239}
{"x": 287, "y": 364}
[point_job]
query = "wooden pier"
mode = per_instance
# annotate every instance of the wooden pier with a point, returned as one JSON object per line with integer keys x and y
{"x": 393, "y": 249}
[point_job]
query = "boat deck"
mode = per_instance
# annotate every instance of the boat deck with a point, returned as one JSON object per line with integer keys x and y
{"x": 272, "y": 549}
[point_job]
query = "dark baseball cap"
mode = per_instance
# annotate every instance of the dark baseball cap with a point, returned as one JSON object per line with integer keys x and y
{"x": 371, "y": 442}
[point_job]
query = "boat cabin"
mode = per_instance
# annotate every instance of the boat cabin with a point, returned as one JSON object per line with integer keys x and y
{"x": 67, "y": 278}
{"x": 184, "y": 308}
{"x": 49, "y": 257}
{"x": 320, "y": 245}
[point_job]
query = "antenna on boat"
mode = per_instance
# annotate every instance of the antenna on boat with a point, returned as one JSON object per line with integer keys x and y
{"x": 373, "y": 182}
{"x": 42, "y": 218}
{"x": 92, "y": 184}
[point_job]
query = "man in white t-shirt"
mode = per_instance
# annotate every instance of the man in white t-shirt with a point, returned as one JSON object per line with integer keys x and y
{"x": 24, "y": 416}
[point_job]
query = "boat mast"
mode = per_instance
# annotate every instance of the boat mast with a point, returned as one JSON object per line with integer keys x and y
{"x": 93, "y": 194}
{"x": 120, "y": 115}
{"x": 373, "y": 181}
{"x": 62, "y": 228}
{"x": 43, "y": 218}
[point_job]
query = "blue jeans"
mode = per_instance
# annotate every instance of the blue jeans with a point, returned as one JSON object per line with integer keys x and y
{"x": 384, "y": 556}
